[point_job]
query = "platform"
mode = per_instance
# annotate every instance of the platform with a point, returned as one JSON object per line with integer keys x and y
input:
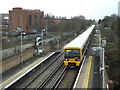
{"x": 84, "y": 74}
{"x": 89, "y": 76}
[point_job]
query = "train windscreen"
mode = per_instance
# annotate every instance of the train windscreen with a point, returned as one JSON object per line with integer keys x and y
{"x": 72, "y": 53}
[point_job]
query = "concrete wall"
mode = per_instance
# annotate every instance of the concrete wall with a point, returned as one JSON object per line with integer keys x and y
{"x": 15, "y": 59}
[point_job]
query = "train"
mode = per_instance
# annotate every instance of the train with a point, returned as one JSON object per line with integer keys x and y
{"x": 75, "y": 50}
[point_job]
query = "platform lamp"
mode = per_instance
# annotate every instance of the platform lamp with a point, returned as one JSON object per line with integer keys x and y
{"x": 21, "y": 58}
{"x": 21, "y": 31}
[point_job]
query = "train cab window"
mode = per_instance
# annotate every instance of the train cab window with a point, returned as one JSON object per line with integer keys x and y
{"x": 72, "y": 53}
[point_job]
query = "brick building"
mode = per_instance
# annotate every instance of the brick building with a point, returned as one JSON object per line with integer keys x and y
{"x": 26, "y": 19}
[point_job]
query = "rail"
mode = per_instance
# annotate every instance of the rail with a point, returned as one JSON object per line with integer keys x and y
{"x": 40, "y": 86}
{"x": 31, "y": 70}
{"x": 44, "y": 69}
{"x": 57, "y": 82}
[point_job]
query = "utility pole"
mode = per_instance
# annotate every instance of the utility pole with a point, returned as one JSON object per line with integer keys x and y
{"x": 99, "y": 38}
{"x": 58, "y": 41}
{"x": 43, "y": 30}
{"x": 21, "y": 58}
{"x": 46, "y": 26}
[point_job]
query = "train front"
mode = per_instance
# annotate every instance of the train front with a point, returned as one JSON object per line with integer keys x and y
{"x": 72, "y": 56}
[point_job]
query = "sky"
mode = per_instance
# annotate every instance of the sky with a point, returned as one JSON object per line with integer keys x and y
{"x": 91, "y": 9}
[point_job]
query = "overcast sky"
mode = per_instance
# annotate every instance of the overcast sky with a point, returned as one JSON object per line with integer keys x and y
{"x": 91, "y": 9}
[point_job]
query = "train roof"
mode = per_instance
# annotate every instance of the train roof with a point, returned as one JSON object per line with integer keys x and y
{"x": 80, "y": 40}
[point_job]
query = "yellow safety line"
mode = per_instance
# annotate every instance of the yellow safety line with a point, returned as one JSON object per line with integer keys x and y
{"x": 88, "y": 74}
{"x": 20, "y": 72}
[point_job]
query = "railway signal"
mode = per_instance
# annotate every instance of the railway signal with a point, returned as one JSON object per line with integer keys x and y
{"x": 44, "y": 32}
{"x": 38, "y": 41}
{"x": 38, "y": 44}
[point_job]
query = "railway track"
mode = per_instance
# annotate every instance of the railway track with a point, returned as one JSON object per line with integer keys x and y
{"x": 68, "y": 80}
{"x": 33, "y": 79}
{"x": 51, "y": 74}
{"x": 54, "y": 75}
{"x": 61, "y": 77}
{"x": 49, "y": 81}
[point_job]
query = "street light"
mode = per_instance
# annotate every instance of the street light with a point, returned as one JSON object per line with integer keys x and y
{"x": 46, "y": 27}
{"x": 43, "y": 30}
{"x": 21, "y": 58}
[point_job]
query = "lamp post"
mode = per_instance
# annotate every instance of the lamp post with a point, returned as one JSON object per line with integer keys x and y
{"x": 21, "y": 58}
{"x": 46, "y": 26}
{"x": 99, "y": 38}
{"x": 43, "y": 30}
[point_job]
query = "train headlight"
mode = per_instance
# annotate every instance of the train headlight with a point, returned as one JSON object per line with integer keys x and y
{"x": 66, "y": 60}
{"x": 77, "y": 60}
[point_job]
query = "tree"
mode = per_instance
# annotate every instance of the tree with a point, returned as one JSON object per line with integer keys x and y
{"x": 99, "y": 21}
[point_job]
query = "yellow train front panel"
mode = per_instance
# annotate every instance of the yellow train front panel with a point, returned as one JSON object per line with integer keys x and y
{"x": 72, "y": 56}
{"x": 72, "y": 62}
